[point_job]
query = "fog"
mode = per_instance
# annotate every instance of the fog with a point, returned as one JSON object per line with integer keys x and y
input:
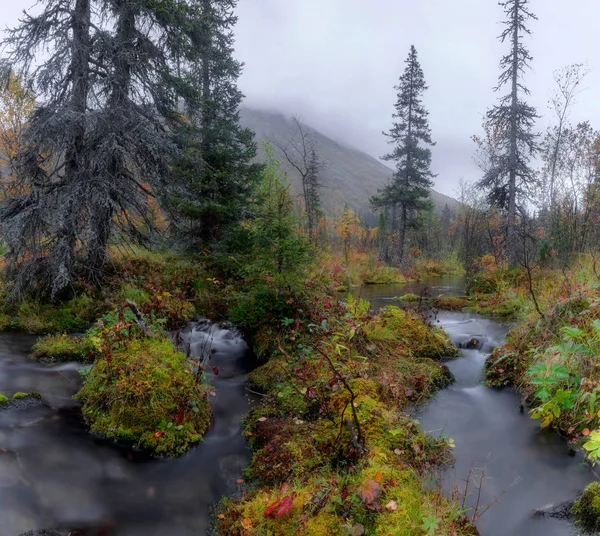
{"x": 335, "y": 62}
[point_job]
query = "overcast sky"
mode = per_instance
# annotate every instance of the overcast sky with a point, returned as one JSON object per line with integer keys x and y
{"x": 336, "y": 62}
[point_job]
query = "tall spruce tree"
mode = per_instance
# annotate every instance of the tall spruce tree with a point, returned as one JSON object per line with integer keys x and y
{"x": 512, "y": 121}
{"x": 408, "y": 192}
{"x": 97, "y": 147}
{"x": 215, "y": 172}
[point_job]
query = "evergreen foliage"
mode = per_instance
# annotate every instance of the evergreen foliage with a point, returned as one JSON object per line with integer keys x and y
{"x": 214, "y": 172}
{"x": 410, "y": 135}
{"x": 512, "y": 121}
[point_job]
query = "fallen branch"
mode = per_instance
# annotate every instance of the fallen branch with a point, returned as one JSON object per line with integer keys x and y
{"x": 139, "y": 318}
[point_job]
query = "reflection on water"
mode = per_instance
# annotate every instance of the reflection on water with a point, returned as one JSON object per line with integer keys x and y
{"x": 54, "y": 474}
{"x": 382, "y": 295}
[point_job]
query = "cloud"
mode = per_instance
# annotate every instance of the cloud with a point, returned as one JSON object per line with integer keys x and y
{"x": 336, "y": 62}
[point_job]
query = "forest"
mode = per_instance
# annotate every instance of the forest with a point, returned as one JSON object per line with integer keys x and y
{"x": 193, "y": 342}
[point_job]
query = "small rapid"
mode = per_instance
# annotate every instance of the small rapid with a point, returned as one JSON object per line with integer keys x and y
{"x": 518, "y": 467}
{"x": 54, "y": 474}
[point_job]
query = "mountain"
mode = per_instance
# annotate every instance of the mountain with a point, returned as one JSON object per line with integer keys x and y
{"x": 349, "y": 176}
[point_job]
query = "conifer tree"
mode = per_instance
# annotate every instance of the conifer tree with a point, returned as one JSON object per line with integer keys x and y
{"x": 97, "y": 147}
{"x": 408, "y": 192}
{"x": 512, "y": 121}
{"x": 215, "y": 172}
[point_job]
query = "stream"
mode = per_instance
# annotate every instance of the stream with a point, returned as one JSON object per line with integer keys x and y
{"x": 523, "y": 467}
{"x": 53, "y": 474}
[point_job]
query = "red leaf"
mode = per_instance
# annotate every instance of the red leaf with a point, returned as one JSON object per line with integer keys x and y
{"x": 270, "y": 511}
{"x": 215, "y": 371}
{"x": 158, "y": 434}
{"x": 286, "y": 507}
{"x": 369, "y": 491}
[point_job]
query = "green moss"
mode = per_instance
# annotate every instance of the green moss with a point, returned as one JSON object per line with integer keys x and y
{"x": 408, "y": 298}
{"x": 62, "y": 348}
{"x": 451, "y": 304}
{"x": 418, "y": 339}
{"x": 20, "y": 396}
{"x": 587, "y": 508}
{"x": 146, "y": 393}
{"x": 4, "y": 399}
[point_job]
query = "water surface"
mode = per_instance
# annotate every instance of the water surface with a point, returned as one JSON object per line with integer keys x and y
{"x": 523, "y": 468}
{"x": 53, "y": 474}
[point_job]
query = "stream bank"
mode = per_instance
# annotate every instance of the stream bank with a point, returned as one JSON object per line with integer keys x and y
{"x": 524, "y": 468}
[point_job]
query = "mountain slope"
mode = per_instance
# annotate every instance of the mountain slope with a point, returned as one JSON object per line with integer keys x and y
{"x": 349, "y": 176}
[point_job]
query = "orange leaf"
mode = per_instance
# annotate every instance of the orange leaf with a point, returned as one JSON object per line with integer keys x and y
{"x": 585, "y": 432}
{"x": 378, "y": 477}
{"x": 247, "y": 523}
{"x": 369, "y": 491}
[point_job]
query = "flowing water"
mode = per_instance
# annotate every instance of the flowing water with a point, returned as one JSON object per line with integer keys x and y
{"x": 523, "y": 468}
{"x": 53, "y": 474}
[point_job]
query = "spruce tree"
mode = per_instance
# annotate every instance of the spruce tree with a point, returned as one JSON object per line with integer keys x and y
{"x": 408, "y": 192}
{"x": 97, "y": 147}
{"x": 512, "y": 121}
{"x": 215, "y": 172}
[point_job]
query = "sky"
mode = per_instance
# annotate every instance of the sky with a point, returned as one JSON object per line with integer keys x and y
{"x": 336, "y": 62}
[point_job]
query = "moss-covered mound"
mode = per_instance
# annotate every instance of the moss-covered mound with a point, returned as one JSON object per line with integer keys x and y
{"x": 451, "y": 303}
{"x": 408, "y": 298}
{"x": 586, "y": 509}
{"x": 63, "y": 348}
{"x": 146, "y": 392}
{"x": 403, "y": 332}
{"x": 333, "y": 451}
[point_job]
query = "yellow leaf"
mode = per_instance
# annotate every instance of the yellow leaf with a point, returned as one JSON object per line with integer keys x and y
{"x": 247, "y": 523}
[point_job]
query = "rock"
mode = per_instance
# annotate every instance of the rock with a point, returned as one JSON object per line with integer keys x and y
{"x": 555, "y": 511}
{"x": 44, "y": 532}
{"x": 472, "y": 344}
{"x": 22, "y": 401}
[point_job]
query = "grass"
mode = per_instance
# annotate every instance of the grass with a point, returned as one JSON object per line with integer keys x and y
{"x": 146, "y": 393}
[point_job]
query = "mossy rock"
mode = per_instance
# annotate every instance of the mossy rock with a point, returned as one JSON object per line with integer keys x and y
{"x": 587, "y": 509}
{"x": 20, "y": 396}
{"x": 62, "y": 348}
{"x": 147, "y": 393}
{"x": 4, "y": 399}
{"x": 416, "y": 338}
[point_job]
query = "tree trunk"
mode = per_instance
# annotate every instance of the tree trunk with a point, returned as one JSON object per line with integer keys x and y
{"x": 511, "y": 239}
